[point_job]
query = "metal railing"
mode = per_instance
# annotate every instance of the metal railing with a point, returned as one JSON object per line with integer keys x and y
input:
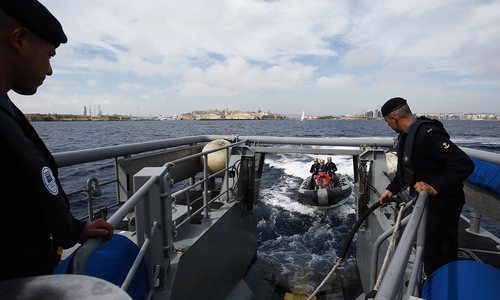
{"x": 207, "y": 200}
{"x": 152, "y": 202}
{"x": 378, "y": 242}
{"x": 158, "y": 184}
{"x": 92, "y": 189}
{"x": 392, "y": 283}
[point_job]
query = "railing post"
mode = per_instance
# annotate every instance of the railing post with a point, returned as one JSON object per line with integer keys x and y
{"x": 168, "y": 232}
{"x": 228, "y": 157}
{"x": 92, "y": 189}
{"x": 393, "y": 279}
{"x": 416, "y": 272}
{"x": 475, "y": 223}
{"x": 147, "y": 212}
{"x": 205, "y": 187}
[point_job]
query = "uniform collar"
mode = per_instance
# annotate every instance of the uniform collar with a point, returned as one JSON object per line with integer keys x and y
{"x": 411, "y": 125}
{"x": 6, "y": 104}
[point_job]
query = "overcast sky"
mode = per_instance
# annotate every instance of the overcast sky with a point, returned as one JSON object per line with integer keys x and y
{"x": 325, "y": 57}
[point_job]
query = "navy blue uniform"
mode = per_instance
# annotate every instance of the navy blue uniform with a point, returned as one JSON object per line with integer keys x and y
{"x": 35, "y": 211}
{"x": 440, "y": 163}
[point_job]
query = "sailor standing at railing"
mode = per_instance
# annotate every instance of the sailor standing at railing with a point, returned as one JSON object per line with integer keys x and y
{"x": 428, "y": 161}
{"x": 36, "y": 223}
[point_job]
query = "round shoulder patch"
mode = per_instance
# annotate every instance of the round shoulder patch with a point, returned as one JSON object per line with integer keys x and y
{"x": 50, "y": 181}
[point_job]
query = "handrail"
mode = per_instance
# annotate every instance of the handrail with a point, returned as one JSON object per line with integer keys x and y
{"x": 135, "y": 266}
{"x": 392, "y": 281}
{"x": 336, "y": 141}
{"x": 197, "y": 183}
{"x": 381, "y": 238}
{"x": 69, "y": 158}
{"x": 82, "y": 190}
{"x": 201, "y": 208}
{"x": 416, "y": 272}
{"x": 83, "y": 254}
{"x": 401, "y": 255}
{"x": 204, "y": 153}
{"x": 376, "y": 249}
{"x": 483, "y": 155}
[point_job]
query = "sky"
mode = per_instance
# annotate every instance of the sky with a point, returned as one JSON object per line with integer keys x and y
{"x": 324, "y": 57}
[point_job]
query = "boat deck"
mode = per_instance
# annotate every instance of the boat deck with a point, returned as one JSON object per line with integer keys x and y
{"x": 483, "y": 247}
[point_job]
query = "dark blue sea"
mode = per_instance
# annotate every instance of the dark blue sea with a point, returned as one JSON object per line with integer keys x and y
{"x": 301, "y": 243}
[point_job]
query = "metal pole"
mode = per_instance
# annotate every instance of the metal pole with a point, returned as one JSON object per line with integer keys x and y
{"x": 205, "y": 186}
{"x": 392, "y": 281}
{"x": 228, "y": 156}
{"x": 475, "y": 222}
{"x": 90, "y": 206}
{"x": 376, "y": 249}
{"x": 417, "y": 264}
{"x": 92, "y": 189}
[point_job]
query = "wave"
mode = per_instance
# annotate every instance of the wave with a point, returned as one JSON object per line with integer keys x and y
{"x": 299, "y": 244}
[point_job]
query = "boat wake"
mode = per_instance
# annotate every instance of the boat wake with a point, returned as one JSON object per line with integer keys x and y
{"x": 299, "y": 244}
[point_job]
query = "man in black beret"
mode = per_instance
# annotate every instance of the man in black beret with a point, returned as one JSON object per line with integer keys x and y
{"x": 36, "y": 223}
{"x": 391, "y": 105}
{"x": 428, "y": 161}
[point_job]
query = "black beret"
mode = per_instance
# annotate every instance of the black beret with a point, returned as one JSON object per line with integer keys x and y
{"x": 391, "y": 105}
{"x": 35, "y": 17}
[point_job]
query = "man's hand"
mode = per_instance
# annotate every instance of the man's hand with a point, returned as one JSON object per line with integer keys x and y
{"x": 424, "y": 187}
{"x": 97, "y": 228}
{"x": 386, "y": 196}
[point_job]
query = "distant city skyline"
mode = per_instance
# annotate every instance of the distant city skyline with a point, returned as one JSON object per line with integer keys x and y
{"x": 375, "y": 113}
{"x": 324, "y": 57}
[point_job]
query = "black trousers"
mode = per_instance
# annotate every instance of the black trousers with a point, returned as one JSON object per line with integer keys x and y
{"x": 441, "y": 240}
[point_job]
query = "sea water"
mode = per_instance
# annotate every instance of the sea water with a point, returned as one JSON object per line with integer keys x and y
{"x": 298, "y": 243}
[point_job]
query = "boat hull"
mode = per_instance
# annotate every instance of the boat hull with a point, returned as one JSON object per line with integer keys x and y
{"x": 336, "y": 196}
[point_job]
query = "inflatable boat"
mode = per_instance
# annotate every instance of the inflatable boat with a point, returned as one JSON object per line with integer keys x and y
{"x": 325, "y": 191}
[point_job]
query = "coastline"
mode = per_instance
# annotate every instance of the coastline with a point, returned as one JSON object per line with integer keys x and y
{"x": 38, "y": 117}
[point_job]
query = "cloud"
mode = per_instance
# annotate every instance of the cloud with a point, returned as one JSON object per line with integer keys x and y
{"x": 91, "y": 82}
{"x": 215, "y": 53}
{"x": 236, "y": 76}
{"x": 335, "y": 82}
{"x": 129, "y": 86}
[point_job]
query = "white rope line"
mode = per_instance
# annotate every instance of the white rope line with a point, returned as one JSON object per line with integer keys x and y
{"x": 326, "y": 279}
{"x": 390, "y": 249}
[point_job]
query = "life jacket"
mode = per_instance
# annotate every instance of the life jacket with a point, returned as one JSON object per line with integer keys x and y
{"x": 407, "y": 171}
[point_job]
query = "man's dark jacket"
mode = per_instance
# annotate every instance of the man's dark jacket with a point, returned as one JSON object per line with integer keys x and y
{"x": 436, "y": 161}
{"x": 35, "y": 211}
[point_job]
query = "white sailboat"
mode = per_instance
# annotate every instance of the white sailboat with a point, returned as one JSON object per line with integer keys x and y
{"x": 303, "y": 116}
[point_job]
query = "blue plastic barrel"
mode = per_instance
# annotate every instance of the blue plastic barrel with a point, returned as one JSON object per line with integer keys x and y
{"x": 111, "y": 262}
{"x": 463, "y": 279}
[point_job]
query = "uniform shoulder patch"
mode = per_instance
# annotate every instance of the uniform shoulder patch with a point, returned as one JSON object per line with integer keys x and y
{"x": 446, "y": 145}
{"x": 49, "y": 181}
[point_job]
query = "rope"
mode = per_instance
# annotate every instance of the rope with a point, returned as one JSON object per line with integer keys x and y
{"x": 390, "y": 249}
{"x": 326, "y": 279}
{"x": 346, "y": 246}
